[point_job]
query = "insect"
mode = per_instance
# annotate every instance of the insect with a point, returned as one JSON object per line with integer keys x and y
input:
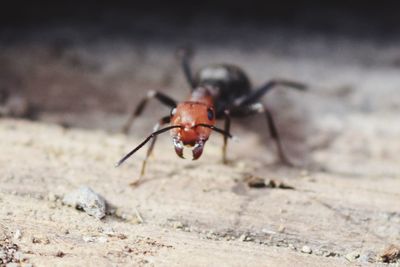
{"x": 217, "y": 92}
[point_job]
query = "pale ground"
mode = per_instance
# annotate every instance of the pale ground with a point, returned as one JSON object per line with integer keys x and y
{"x": 194, "y": 213}
{"x": 344, "y": 133}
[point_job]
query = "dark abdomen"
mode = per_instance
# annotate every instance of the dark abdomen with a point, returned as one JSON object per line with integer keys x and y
{"x": 230, "y": 80}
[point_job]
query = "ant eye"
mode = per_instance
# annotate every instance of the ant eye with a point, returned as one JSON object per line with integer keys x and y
{"x": 173, "y": 111}
{"x": 210, "y": 114}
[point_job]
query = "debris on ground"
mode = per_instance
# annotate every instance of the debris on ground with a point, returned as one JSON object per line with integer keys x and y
{"x": 306, "y": 249}
{"x": 139, "y": 216}
{"x": 133, "y": 218}
{"x": 245, "y": 238}
{"x": 60, "y": 254}
{"x": 330, "y": 254}
{"x": 391, "y": 254}
{"x": 17, "y": 234}
{"x": 352, "y": 256}
{"x": 278, "y": 184}
{"x": 178, "y": 225}
{"x": 259, "y": 182}
{"x": 255, "y": 181}
{"x": 89, "y": 239}
{"x": 40, "y": 240}
{"x": 9, "y": 254}
{"x": 368, "y": 256}
{"x": 86, "y": 199}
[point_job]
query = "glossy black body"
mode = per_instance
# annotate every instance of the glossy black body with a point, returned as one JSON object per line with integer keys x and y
{"x": 228, "y": 82}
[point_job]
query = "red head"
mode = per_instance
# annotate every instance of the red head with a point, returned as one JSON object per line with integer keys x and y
{"x": 196, "y": 120}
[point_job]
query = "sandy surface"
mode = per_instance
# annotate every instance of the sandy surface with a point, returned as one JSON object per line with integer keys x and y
{"x": 194, "y": 213}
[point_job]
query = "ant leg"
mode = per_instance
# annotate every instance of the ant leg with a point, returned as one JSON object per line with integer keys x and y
{"x": 164, "y": 99}
{"x": 257, "y": 108}
{"x": 162, "y": 121}
{"x": 258, "y": 93}
{"x": 227, "y": 127}
{"x": 275, "y": 135}
{"x": 185, "y": 55}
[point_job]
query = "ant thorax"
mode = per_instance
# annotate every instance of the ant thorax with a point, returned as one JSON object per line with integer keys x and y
{"x": 204, "y": 94}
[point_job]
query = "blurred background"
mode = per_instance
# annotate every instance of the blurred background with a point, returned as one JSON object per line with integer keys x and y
{"x": 86, "y": 65}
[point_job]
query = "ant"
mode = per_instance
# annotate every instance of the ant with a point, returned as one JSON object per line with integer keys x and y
{"x": 217, "y": 92}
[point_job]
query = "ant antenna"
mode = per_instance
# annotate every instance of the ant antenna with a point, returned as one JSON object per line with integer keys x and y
{"x": 145, "y": 141}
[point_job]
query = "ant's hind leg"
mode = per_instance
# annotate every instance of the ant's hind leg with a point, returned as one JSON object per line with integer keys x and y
{"x": 162, "y": 122}
{"x": 275, "y": 135}
{"x": 164, "y": 99}
{"x": 185, "y": 54}
{"x": 255, "y": 95}
{"x": 227, "y": 127}
{"x": 257, "y": 108}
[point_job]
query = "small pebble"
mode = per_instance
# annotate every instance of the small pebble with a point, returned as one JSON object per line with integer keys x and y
{"x": 329, "y": 254}
{"x": 245, "y": 238}
{"x": 88, "y": 239}
{"x": 17, "y": 234}
{"x": 122, "y": 236}
{"x": 306, "y": 249}
{"x": 177, "y": 225}
{"x": 107, "y": 230}
{"x": 36, "y": 240}
{"x": 255, "y": 181}
{"x": 352, "y": 256}
{"x": 227, "y": 238}
{"x": 88, "y": 200}
{"x": 210, "y": 235}
{"x": 127, "y": 217}
{"x": 52, "y": 197}
{"x": 60, "y": 254}
{"x": 368, "y": 256}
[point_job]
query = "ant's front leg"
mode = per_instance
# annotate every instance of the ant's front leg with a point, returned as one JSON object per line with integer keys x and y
{"x": 164, "y": 99}
{"x": 258, "y": 108}
{"x": 163, "y": 121}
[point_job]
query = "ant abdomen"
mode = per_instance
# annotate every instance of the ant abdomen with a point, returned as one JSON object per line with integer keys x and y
{"x": 230, "y": 80}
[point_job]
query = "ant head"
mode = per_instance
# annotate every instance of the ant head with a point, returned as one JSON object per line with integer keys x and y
{"x": 196, "y": 120}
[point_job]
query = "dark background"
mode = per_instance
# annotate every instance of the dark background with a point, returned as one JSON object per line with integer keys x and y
{"x": 359, "y": 18}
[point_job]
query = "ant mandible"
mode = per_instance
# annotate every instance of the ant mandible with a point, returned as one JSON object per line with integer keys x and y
{"x": 217, "y": 92}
